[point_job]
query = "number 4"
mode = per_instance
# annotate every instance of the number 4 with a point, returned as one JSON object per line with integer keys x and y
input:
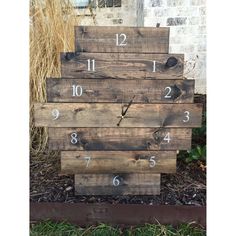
{"x": 167, "y": 137}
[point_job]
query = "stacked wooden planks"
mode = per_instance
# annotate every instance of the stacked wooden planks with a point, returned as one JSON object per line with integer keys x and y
{"x": 120, "y": 111}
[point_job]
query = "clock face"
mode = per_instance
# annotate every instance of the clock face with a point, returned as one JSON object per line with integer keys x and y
{"x": 120, "y": 111}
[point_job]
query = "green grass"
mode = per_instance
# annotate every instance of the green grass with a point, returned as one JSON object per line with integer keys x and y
{"x": 49, "y": 228}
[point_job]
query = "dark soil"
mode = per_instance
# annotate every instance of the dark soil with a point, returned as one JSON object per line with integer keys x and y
{"x": 186, "y": 187}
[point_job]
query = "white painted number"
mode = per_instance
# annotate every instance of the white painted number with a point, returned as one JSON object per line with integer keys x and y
{"x": 87, "y": 161}
{"x": 168, "y": 92}
{"x": 55, "y": 114}
{"x": 122, "y": 41}
{"x": 74, "y": 139}
{"x": 186, "y": 116}
{"x": 75, "y": 91}
{"x": 91, "y": 65}
{"x": 116, "y": 181}
{"x": 167, "y": 137}
{"x": 153, "y": 66}
{"x": 152, "y": 162}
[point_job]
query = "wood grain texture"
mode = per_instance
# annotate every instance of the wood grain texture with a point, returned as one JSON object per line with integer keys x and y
{"x": 138, "y": 39}
{"x": 109, "y": 115}
{"x": 130, "y": 184}
{"x": 120, "y": 139}
{"x": 123, "y": 66}
{"x": 120, "y": 90}
{"x": 105, "y": 162}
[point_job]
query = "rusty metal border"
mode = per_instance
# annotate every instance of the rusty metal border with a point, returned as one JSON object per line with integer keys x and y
{"x": 117, "y": 214}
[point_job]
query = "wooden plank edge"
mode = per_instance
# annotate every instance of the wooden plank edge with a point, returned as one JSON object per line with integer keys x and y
{"x": 123, "y": 215}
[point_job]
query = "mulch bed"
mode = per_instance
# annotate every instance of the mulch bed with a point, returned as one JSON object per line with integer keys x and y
{"x": 186, "y": 187}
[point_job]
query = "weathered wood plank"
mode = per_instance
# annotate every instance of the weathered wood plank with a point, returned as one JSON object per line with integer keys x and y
{"x": 120, "y": 90}
{"x": 110, "y": 115}
{"x": 105, "y": 162}
{"x": 121, "y": 39}
{"x": 119, "y": 139}
{"x": 124, "y": 66}
{"x": 117, "y": 184}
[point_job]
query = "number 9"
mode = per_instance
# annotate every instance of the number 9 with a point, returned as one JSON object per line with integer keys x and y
{"x": 55, "y": 114}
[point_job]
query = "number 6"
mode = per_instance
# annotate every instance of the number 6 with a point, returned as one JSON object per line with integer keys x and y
{"x": 116, "y": 181}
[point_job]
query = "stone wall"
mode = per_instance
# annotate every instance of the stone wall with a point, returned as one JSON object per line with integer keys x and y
{"x": 129, "y": 14}
{"x": 186, "y": 19}
{"x": 187, "y": 22}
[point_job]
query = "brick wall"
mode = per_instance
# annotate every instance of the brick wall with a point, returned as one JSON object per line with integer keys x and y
{"x": 187, "y": 22}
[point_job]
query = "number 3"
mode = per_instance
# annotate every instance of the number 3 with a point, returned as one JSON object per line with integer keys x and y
{"x": 186, "y": 116}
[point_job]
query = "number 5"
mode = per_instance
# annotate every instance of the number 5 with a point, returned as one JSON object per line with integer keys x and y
{"x": 152, "y": 162}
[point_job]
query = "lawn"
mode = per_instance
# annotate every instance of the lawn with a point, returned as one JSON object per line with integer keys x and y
{"x": 49, "y": 228}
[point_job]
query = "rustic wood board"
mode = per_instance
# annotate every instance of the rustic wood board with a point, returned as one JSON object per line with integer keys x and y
{"x": 119, "y": 139}
{"x": 120, "y": 90}
{"x": 120, "y": 65}
{"x": 129, "y": 184}
{"x": 109, "y": 115}
{"x": 105, "y": 162}
{"x": 121, "y": 39}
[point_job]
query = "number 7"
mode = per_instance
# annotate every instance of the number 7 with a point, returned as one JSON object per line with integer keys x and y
{"x": 88, "y": 160}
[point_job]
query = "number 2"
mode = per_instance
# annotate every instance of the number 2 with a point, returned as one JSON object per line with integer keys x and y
{"x": 186, "y": 116}
{"x": 122, "y": 42}
{"x": 168, "y": 93}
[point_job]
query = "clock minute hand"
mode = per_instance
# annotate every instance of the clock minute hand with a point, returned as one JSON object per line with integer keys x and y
{"x": 124, "y": 112}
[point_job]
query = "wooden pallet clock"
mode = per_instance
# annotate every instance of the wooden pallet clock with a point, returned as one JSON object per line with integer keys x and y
{"x": 120, "y": 111}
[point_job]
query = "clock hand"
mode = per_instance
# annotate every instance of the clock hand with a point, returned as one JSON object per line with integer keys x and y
{"x": 124, "y": 112}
